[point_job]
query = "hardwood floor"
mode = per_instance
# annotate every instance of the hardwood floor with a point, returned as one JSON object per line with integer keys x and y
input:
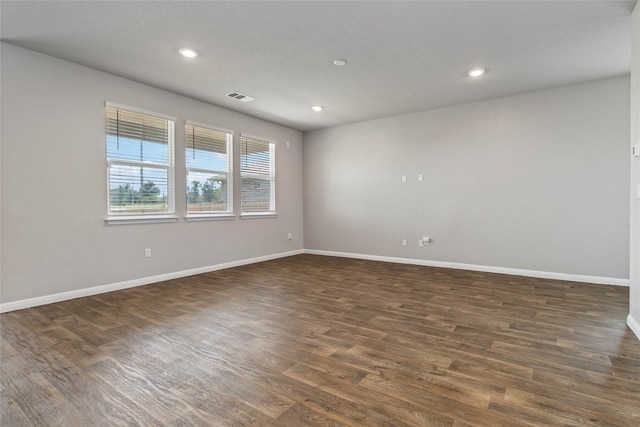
{"x": 321, "y": 341}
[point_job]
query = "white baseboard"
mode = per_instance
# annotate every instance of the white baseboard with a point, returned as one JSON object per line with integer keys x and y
{"x": 63, "y": 296}
{"x": 475, "y": 267}
{"x": 634, "y": 325}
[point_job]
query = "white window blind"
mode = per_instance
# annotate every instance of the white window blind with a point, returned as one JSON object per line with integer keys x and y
{"x": 139, "y": 163}
{"x": 257, "y": 175}
{"x": 208, "y": 161}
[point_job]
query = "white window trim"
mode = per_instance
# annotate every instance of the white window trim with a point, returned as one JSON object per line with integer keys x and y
{"x": 259, "y": 138}
{"x": 229, "y": 214}
{"x": 206, "y": 126}
{"x": 140, "y": 219}
{"x": 195, "y": 217}
{"x": 170, "y": 216}
{"x": 258, "y": 215}
{"x": 271, "y": 179}
{"x": 140, "y": 111}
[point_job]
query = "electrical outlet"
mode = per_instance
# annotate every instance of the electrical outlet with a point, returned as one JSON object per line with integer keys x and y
{"x": 147, "y": 252}
{"x": 404, "y": 242}
{"x": 290, "y": 236}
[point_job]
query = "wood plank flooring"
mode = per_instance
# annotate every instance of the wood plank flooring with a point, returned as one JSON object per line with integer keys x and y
{"x": 322, "y": 341}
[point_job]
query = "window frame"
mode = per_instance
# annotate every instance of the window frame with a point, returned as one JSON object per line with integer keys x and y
{"x": 229, "y": 213}
{"x": 271, "y": 177}
{"x": 142, "y": 217}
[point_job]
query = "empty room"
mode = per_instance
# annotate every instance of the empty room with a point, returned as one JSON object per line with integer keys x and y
{"x": 320, "y": 213}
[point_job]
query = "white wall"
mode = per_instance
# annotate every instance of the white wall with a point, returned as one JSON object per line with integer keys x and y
{"x": 634, "y": 293}
{"x": 534, "y": 182}
{"x": 537, "y": 181}
{"x": 54, "y": 185}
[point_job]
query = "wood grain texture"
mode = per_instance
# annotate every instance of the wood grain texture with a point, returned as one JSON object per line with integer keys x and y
{"x": 322, "y": 341}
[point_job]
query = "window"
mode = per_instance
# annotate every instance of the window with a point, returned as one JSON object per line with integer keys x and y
{"x": 139, "y": 163}
{"x": 208, "y": 158}
{"x": 257, "y": 176}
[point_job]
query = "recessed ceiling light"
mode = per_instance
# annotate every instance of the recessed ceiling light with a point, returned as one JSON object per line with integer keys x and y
{"x": 476, "y": 72}
{"x": 188, "y": 53}
{"x": 317, "y": 108}
{"x": 339, "y": 62}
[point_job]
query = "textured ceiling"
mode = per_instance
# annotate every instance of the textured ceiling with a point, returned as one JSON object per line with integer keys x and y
{"x": 403, "y": 56}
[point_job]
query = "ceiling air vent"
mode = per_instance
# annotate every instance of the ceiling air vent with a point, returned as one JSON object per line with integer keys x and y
{"x": 240, "y": 97}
